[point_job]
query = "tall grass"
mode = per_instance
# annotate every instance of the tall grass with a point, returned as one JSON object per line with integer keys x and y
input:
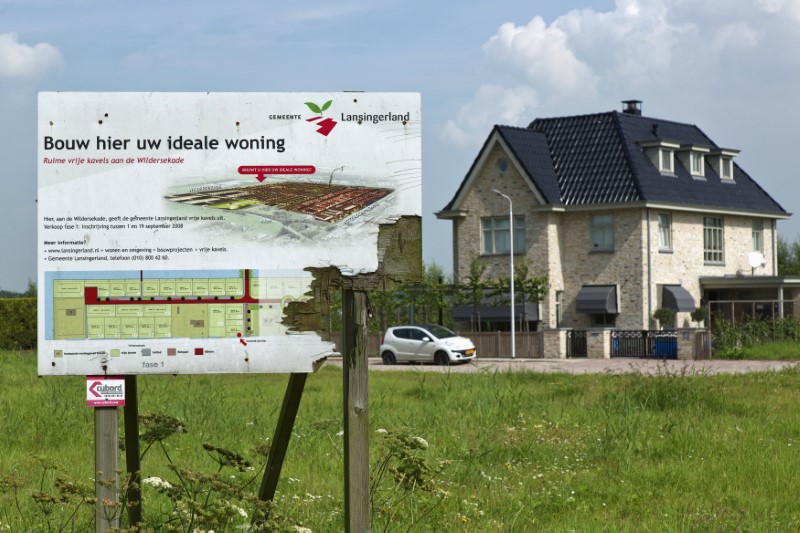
{"x": 504, "y": 451}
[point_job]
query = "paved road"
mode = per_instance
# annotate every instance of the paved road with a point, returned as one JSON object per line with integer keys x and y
{"x": 586, "y": 366}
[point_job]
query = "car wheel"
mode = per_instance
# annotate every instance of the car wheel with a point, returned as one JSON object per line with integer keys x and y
{"x": 441, "y": 358}
{"x": 388, "y": 358}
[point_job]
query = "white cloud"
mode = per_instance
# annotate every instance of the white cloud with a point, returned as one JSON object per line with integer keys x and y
{"x": 542, "y": 54}
{"x": 18, "y": 60}
{"x": 736, "y": 36}
{"x": 491, "y": 105}
{"x": 790, "y": 8}
{"x": 668, "y": 51}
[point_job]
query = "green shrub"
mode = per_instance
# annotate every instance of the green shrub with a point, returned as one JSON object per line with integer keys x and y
{"x": 700, "y": 315}
{"x": 737, "y": 340}
{"x": 665, "y": 316}
{"x": 18, "y": 323}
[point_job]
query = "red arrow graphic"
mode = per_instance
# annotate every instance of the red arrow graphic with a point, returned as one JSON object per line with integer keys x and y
{"x": 93, "y": 386}
{"x": 325, "y": 126}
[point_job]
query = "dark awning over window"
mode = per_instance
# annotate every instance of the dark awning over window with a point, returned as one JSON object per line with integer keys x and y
{"x": 677, "y": 298}
{"x": 499, "y": 313}
{"x": 597, "y": 299}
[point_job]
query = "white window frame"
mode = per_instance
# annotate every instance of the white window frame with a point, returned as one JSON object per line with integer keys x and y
{"x": 490, "y": 233}
{"x": 697, "y": 163}
{"x": 662, "y": 154}
{"x": 726, "y": 168}
{"x": 722, "y": 163}
{"x": 714, "y": 240}
{"x": 559, "y": 308}
{"x": 666, "y": 160}
{"x": 757, "y": 226}
{"x": 603, "y": 233}
{"x": 665, "y": 232}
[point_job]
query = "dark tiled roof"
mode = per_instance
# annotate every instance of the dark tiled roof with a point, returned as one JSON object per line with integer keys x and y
{"x": 531, "y": 150}
{"x": 744, "y": 193}
{"x": 598, "y": 159}
{"x": 590, "y": 159}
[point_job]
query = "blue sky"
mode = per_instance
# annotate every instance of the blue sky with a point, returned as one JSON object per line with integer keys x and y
{"x": 729, "y": 66}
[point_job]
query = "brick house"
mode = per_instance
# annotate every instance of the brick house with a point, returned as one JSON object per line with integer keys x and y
{"x": 624, "y": 213}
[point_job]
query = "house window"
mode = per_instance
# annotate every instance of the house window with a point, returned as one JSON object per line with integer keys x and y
{"x": 664, "y": 231}
{"x": 722, "y": 163}
{"x": 603, "y": 233}
{"x": 559, "y": 308}
{"x": 758, "y": 235}
{"x": 666, "y": 160}
{"x": 726, "y": 168}
{"x": 662, "y": 154}
{"x": 696, "y": 159}
{"x": 496, "y": 235}
{"x": 713, "y": 240}
{"x": 603, "y": 320}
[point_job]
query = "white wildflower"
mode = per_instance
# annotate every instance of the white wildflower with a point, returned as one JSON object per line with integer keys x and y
{"x": 340, "y": 434}
{"x": 381, "y": 430}
{"x": 157, "y": 482}
{"x": 239, "y": 510}
{"x": 301, "y": 529}
{"x": 422, "y": 443}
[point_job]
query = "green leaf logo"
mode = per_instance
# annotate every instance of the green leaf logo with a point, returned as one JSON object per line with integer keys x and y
{"x": 317, "y": 109}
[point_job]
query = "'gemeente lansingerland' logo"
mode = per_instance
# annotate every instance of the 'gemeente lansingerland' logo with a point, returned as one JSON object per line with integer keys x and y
{"x": 326, "y": 124}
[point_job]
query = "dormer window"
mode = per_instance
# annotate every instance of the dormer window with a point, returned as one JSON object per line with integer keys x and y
{"x": 722, "y": 162}
{"x": 726, "y": 168}
{"x": 693, "y": 158}
{"x": 697, "y": 163}
{"x": 667, "y": 157}
{"x": 662, "y": 154}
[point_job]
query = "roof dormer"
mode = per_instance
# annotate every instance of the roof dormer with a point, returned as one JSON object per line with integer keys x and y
{"x": 692, "y": 157}
{"x": 721, "y": 161}
{"x": 662, "y": 154}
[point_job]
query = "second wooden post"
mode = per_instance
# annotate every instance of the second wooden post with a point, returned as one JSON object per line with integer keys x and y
{"x": 356, "y": 411}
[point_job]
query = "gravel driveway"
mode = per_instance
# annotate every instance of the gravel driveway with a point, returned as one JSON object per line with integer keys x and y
{"x": 585, "y": 366}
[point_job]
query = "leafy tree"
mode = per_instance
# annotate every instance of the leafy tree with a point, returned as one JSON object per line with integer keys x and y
{"x": 425, "y": 299}
{"x": 31, "y": 292}
{"x": 474, "y": 290}
{"x": 788, "y": 257}
{"x": 665, "y": 316}
{"x": 435, "y": 294}
{"x": 384, "y": 306}
{"x": 527, "y": 288}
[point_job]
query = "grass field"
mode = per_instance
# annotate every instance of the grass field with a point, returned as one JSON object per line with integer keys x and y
{"x": 466, "y": 452}
{"x": 773, "y": 351}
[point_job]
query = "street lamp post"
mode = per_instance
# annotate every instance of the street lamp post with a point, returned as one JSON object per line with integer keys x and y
{"x": 511, "y": 254}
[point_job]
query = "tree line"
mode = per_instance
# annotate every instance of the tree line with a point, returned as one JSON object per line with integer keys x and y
{"x": 788, "y": 257}
{"x": 29, "y": 293}
{"x": 433, "y": 299}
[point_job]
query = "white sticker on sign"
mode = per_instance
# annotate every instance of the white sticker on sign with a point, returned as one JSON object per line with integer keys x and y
{"x": 105, "y": 392}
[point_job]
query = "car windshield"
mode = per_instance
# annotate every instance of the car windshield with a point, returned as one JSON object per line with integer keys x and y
{"x": 440, "y": 332}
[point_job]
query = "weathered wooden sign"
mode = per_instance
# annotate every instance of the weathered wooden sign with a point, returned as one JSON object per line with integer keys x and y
{"x": 175, "y": 229}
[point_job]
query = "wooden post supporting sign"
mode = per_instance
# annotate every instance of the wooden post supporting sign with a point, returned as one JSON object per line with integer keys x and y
{"x": 283, "y": 432}
{"x": 132, "y": 457}
{"x": 356, "y": 411}
{"x": 106, "y": 465}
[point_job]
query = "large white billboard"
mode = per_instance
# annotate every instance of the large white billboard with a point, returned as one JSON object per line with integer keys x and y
{"x": 174, "y": 228}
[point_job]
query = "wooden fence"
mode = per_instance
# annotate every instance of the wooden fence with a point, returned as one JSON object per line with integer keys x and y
{"x": 530, "y": 344}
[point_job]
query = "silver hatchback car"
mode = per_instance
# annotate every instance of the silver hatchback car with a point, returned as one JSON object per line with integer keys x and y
{"x": 425, "y": 343}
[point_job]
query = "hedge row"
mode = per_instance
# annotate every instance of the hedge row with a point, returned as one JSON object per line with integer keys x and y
{"x": 17, "y": 323}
